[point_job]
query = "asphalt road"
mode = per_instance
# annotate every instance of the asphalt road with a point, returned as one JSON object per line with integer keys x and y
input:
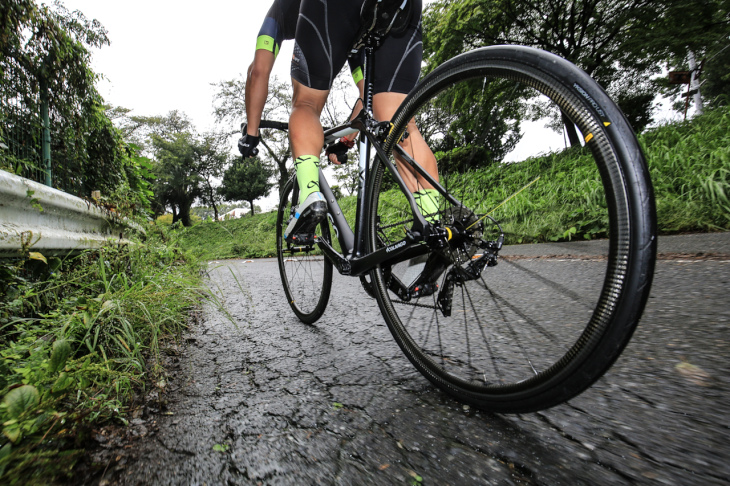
{"x": 256, "y": 397}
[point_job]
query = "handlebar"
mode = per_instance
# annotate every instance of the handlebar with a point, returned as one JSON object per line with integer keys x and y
{"x": 277, "y": 125}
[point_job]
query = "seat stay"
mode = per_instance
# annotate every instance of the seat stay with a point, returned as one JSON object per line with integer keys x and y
{"x": 423, "y": 173}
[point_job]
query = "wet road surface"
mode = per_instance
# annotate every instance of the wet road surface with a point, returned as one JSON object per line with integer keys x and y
{"x": 270, "y": 400}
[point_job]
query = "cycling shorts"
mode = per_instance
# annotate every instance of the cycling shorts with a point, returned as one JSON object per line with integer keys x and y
{"x": 324, "y": 37}
{"x": 279, "y": 25}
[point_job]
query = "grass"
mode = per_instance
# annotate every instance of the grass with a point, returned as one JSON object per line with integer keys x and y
{"x": 79, "y": 337}
{"x": 689, "y": 164}
{"x": 690, "y": 169}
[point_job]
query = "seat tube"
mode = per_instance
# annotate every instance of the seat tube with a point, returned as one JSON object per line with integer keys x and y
{"x": 364, "y": 162}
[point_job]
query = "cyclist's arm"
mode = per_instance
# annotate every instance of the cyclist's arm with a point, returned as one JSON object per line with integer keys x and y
{"x": 257, "y": 88}
{"x": 356, "y": 71}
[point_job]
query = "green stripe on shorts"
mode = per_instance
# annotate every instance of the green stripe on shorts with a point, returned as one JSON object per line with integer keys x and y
{"x": 357, "y": 74}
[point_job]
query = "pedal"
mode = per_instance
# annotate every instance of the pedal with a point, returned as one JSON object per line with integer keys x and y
{"x": 303, "y": 239}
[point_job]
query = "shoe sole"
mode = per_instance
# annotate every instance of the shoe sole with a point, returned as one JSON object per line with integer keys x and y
{"x": 307, "y": 221}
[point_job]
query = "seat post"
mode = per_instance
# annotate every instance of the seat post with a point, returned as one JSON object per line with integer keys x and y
{"x": 371, "y": 42}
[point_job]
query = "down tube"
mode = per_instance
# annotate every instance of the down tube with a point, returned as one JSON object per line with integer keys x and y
{"x": 360, "y": 222}
{"x": 339, "y": 223}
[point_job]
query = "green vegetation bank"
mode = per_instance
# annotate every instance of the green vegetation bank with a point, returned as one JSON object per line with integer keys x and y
{"x": 690, "y": 169}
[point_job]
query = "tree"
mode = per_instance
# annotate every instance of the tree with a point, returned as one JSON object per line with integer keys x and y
{"x": 246, "y": 181}
{"x": 178, "y": 183}
{"x": 700, "y": 29}
{"x": 187, "y": 165}
{"x": 229, "y": 110}
{"x": 209, "y": 158}
{"x": 622, "y": 44}
{"x": 45, "y": 61}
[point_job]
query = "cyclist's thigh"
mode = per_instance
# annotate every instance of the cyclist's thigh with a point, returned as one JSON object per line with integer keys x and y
{"x": 398, "y": 60}
{"x": 325, "y": 33}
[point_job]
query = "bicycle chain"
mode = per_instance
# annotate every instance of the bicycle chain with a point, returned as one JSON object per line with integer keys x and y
{"x": 434, "y": 307}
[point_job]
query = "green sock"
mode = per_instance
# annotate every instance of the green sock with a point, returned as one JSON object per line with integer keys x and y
{"x": 427, "y": 201}
{"x": 307, "y": 167}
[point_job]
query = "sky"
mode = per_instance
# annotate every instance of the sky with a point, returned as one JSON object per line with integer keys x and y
{"x": 165, "y": 54}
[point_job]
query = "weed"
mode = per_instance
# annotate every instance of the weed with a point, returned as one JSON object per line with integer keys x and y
{"x": 78, "y": 337}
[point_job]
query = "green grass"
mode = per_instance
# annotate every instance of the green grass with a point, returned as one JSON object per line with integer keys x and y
{"x": 690, "y": 170}
{"x": 689, "y": 164}
{"x": 78, "y": 338}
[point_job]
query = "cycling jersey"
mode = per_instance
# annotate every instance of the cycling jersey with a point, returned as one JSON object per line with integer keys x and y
{"x": 279, "y": 25}
{"x": 325, "y": 34}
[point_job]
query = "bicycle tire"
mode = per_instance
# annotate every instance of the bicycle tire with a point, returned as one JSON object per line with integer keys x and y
{"x": 505, "y": 349}
{"x": 305, "y": 274}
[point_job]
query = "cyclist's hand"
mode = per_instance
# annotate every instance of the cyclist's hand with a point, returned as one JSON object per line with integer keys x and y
{"x": 337, "y": 152}
{"x": 247, "y": 146}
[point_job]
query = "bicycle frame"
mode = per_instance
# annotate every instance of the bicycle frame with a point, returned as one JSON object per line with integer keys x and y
{"x": 356, "y": 260}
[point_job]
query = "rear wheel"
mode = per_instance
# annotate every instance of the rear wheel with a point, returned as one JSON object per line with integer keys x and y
{"x": 305, "y": 273}
{"x": 531, "y": 324}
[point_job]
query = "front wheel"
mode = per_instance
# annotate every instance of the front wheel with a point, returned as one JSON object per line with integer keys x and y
{"x": 532, "y": 324}
{"x": 305, "y": 273}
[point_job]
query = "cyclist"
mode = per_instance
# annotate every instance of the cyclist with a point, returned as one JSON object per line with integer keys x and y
{"x": 324, "y": 36}
{"x": 279, "y": 25}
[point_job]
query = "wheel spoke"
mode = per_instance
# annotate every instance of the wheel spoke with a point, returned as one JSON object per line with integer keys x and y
{"x": 505, "y": 317}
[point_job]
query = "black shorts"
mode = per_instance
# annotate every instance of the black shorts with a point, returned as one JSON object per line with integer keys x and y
{"x": 325, "y": 34}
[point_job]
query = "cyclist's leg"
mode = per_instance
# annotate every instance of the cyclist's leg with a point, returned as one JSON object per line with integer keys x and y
{"x": 323, "y": 38}
{"x": 384, "y": 106}
{"x": 307, "y": 137}
{"x": 427, "y": 198}
{"x": 305, "y": 129}
{"x": 399, "y": 66}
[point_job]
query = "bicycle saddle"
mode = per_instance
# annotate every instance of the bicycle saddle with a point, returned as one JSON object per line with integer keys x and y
{"x": 381, "y": 17}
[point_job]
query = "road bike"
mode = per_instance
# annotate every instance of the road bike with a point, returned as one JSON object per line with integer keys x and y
{"x": 481, "y": 305}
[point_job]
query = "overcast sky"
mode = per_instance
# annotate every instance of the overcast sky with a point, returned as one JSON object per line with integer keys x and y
{"x": 164, "y": 54}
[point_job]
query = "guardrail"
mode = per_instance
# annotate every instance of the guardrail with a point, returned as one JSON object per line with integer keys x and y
{"x": 51, "y": 221}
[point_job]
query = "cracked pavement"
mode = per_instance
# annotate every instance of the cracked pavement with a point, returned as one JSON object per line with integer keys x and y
{"x": 270, "y": 400}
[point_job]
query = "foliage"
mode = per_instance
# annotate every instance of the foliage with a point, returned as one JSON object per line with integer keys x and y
{"x": 79, "y": 337}
{"x": 468, "y": 131}
{"x": 248, "y": 237}
{"x": 246, "y": 181}
{"x": 177, "y": 183}
{"x": 621, "y": 44}
{"x": 210, "y": 155}
{"x": 230, "y": 111}
{"x": 715, "y": 76}
{"x": 690, "y": 170}
{"x": 44, "y": 56}
{"x": 186, "y": 167}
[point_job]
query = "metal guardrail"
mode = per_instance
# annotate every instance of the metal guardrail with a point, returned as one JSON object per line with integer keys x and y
{"x": 53, "y": 222}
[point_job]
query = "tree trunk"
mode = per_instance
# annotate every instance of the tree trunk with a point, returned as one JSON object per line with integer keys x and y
{"x": 185, "y": 213}
{"x": 175, "y": 215}
{"x": 570, "y": 130}
{"x": 283, "y": 177}
{"x": 251, "y": 203}
{"x": 694, "y": 84}
{"x": 281, "y": 164}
